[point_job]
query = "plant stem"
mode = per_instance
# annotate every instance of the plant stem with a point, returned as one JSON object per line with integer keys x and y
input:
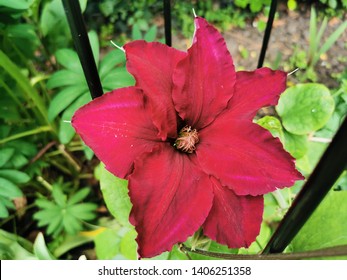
{"x": 26, "y": 133}
{"x": 320, "y": 253}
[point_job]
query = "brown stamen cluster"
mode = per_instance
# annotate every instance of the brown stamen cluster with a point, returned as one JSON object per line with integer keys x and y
{"x": 187, "y": 139}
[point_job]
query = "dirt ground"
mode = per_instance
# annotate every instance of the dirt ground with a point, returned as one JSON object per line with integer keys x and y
{"x": 290, "y": 31}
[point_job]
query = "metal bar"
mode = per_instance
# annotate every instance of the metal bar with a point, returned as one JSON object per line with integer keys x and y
{"x": 327, "y": 171}
{"x": 267, "y": 33}
{"x": 82, "y": 45}
{"x": 167, "y": 22}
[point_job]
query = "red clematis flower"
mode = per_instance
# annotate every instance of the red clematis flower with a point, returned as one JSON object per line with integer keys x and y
{"x": 185, "y": 140}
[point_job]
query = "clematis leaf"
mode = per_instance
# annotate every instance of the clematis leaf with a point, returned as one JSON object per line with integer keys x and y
{"x": 326, "y": 227}
{"x": 115, "y": 193}
{"x": 305, "y": 108}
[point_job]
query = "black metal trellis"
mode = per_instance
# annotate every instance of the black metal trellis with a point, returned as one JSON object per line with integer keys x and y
{"x": 321, "y": 180}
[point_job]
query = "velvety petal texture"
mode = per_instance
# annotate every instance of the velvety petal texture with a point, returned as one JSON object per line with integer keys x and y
{"x": 152, "y": 65}
{"x": 184, "y": 137}
{"x": 254, "y": 90}
{"x": 171, "y": 199}
{"x": 245, "y": 157}
{"x": 242, "y": 216}
{"x": 118, "y": 128}
{"x": 204, "y": 80}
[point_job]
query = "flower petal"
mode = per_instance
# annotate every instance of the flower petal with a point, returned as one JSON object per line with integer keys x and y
{"x": 171, "y": 199}
{"x": 152, "y": 66}
{"x": 245, "y": 157}
{"x": 233, "y": 220}
{"x": 255, "y": 90}
{"x": 118, "y": 128}
{"x": 204, "y": 80}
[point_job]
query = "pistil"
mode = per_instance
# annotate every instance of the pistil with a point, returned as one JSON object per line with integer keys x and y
{"x": 187, "y": 139}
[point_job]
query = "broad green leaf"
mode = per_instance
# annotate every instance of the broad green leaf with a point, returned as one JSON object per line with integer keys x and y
{"x": 14, "y": 176}
{"x": 296, "y": 145}
{"x": 9, "y": 189}
{"x": 136, "y": 32}
{"x": 107, "y": 244}
{"x": 3, "y": 209}
{"x": 115, "y": 193}
{"x": 40, "y": 249}
{"x": 305, "y": 108}
{"x": 326, "y": 227}
{"x": 128, "y": 245}
{"x": 64, "y": 98}
{"x": 308, "y": 162}
{"x": 69, "y": 59}
{"x": 273, "y": 125}
{"x": 6, "y": 154}
{"x": 117, "y": 78}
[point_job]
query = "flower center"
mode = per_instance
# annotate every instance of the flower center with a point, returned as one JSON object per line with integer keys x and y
{"x": 187, "y": 139}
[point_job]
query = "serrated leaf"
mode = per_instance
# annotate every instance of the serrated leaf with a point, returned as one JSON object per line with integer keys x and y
{"x": 326, "y": 227}
{"x": 71, "y": 224}
{"x": 305, "y": 108}
{"x": 9, "y": 189}
{"x": 59, "y": 196}
{"x": 44, "y": 203}
{"x": 55, "y": 225}
{"x": 115, "y": 193}
{"x": 45, "y": 216}
{"x": 15, "y": 176}
{"x": 69, "y": 59}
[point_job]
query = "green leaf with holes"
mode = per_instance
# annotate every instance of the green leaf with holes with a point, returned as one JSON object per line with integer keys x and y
{"x": 305, "y": 108}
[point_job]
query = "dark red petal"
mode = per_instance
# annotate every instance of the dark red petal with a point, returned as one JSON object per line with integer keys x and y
{"x": 255, "y": 90}
{"x": 152, "y": 66}
{"x": 118, "y": 128}
{"x": 233, "y": 220}
{"x": 171, "y": 199}
{"x": 204, "y": 80}
{"x": 245, "y": 157}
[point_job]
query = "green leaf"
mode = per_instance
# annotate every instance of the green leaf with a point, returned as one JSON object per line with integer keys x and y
{"x": 296, "y": 145}
{"x": 326, "y": 227}
{"x": 107, "y": 244}
{"x": 69, "y": 59}
{"x": 115, "y": 193}
{"x": 112, "y": 59}
{"x": 63, "y": 99}
{"x": 83, "y": 211}
{"x": 3, "y": 210}
{"x": 136, "y": 32}
{"x": 273, "y": 125}
{"x": 305, "y": 108}
{"x": 151, "y": 34}
{"x": 66, "y": 78}
{"x": 40, "y": 249}
{"x": 6, "y": 154}
{"x": 59, "y": 196}
{"x": 17, "y": 5}
{"x": 66, "y": 131}
{"x": 55, "y": 225}
{"x": 94, "y": 42}
{"x": 128, "y": 245}
{"x": 78, "y": 196}
{"x": 8, "y": 189}
{"x": 14, "y": 176}
{"x": 308, "y": 162}
{"x": 71, "y": 224}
